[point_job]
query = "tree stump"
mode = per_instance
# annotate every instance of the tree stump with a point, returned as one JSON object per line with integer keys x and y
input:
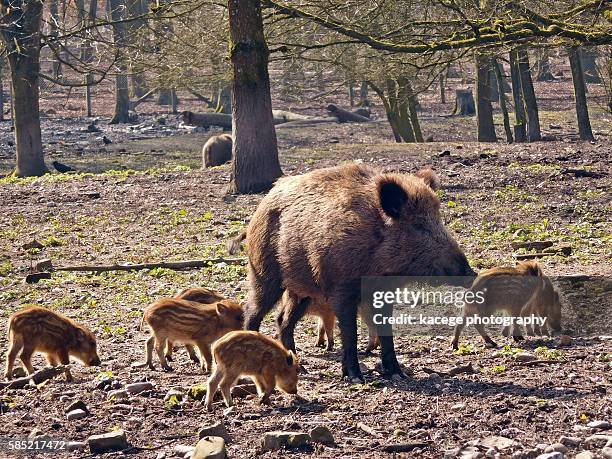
{"x": 464, "y": 103}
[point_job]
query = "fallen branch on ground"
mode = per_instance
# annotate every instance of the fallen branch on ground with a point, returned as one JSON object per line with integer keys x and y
{"x": 176, "y": 265}
{"x": 37, "y": 377}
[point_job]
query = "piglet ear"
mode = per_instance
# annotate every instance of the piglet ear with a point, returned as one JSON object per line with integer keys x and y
{"x": 392, "y": 196}
{"x": 430, "y": 178}
{"x": 291, "y": 359}
{"x": 222, "y": 309}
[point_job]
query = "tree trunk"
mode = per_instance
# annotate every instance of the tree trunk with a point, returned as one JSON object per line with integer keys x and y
{"x": 464, "y": 103}
{"x": 543, "y": 66}
{"x": 582, "y": 111}
{"x": 402, "y": 111}
{"x": 1, "y": 89}
{"x": 21, "y": 36}
{"x": 255, "y": 167}
{"x": 406, "y": 92}
{"x": 390, "y": 110}
{"x": 351, "y": 92}
{"x": 53, "y": 22}
{"x": 499, "y": 76}
{"x": 87, "y": 17}
{"x": 529, "y": 98}
{"x": 122, "y": 91}
{"x": 363, "y": 95}
{"x": 224, "y": 100}
{"x": 442, "y": 88}
{"x": 484, "y": 109}
{"x": 520, "y": 126}
{"x": 139, "y": 85}
{"x": 589, "y": 65}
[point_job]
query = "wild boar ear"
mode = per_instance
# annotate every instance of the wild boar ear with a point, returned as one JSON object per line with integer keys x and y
{"x": 291, "y": 359}
{"x": 430, "y": 178}
{"x": 392, "y": 196}
{"x": 222, "y": 309}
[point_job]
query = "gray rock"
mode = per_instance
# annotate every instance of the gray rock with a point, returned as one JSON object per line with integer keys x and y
{"x": 137, "y": 388}
{"x": 276, "y": 440}
{"x": 76, "y": 414}
{"x": 558, "y": 447}
{"x": 607, "y": 452}
{"x": 585, "y": 455}
{"x": 217, "y": 429}
{"x": 458, "y": 407}
{"x": 43, "y": 265}
{"x": 77, "y": 405}
{"x": 120, "y": 394}
{"x": 182, "y": 450}
{"x": 581, "y": 428}
{"x": 541, "y": 446}
{"x": 553, "y": 455}
{"x": 110, "y": 441}
{"x": 174, "y": 393}
{"x": 600, "y": 425}
{"x": 525, "y": 357}
{"x": 76, "y": 446}
{"x": 599, "y": 440}
{"x": 570, "y": 441}
{"x": 497, "y": 442}
{"x": 209, "y": 448}
{"x": 322, "y": 434}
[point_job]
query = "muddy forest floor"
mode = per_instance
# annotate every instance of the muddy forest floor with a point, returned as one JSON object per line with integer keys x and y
{"x": 143, "y": 199}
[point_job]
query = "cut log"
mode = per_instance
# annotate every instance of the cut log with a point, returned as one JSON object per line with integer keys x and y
{"x": 289, "y": 116}
{"x": 345, "y": 116}
{"x": 464, "y": 103}
{"x": 37, "y": 377}
{"x": 207, "y": 119}
{"x": 308, "y": 122}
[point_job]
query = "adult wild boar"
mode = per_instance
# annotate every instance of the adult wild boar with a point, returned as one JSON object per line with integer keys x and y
{"x": 318, "y": 234}
{"x": 217, "y": 150}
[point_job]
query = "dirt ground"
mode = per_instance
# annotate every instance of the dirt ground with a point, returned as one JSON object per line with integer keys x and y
{"x": 143, "y": 198}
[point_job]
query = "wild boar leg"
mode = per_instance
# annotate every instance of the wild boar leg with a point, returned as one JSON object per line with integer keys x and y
{"x": 65, "y": 360}
{"x": 264, "y": 292}
{"x": 192, "y": 354}
{"x": 373, "y": 341}
{"x": 293, "y": 310}
{"x": 265, "y": 386}
{"x": 226, "y": 388}
{"x": 206, "y": 364}
{"x": 26, "y": 357}
{"x": 169, "y": 350}
{"x": 489, "y": 343}
{"x": 320, "y": 333}
{"x": 149, "y": 352}
{"x": 345, "y": 300}
{"x": 213, "y": 384}
{"x": 328, "y": 322}
{"x": 390, "y": 365}
{"x": 160, "y": 348}
{"x": 14, "y": 349}
{"x": 52, "y": 359}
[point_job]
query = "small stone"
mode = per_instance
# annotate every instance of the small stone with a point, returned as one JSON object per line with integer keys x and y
{"x": 600, "y": 425}
{"x": 137, "y": 388}
{"x": 33, "y": 244}
{"x": 76, "y": 446}
{"x": 581, "y": 428}
{"x": 497, "y": 442}
{"x": 553, "y": 455}
{"x": 77, "y": 405}
{"x": 585, "y": 455}
{"x": 43, "y": 265}
{"x": 396, "y": 433}
{"x": 110, "y": 441}
{"x": 541, "y": 446}
{"x": 181, "y": 450}
{"x": 525, "y": 357}
{"x": 209, "y": 448}
{"x": 458, "y": 407}
{"x": 598, "y": 440}
{"x": 120, "y": 394}
{"x": 174, "y": 393}
{"x": 322, "y": 434}
{"x": 76, "y": 414}
{"x": 558, "y": 447}
{"x": 217, "y": 429}
{"x": 570, "y": 441}
{"x": 276, "y": 440}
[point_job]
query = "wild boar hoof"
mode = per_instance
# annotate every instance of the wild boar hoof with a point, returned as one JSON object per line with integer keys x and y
{"x": 490, "y": 345}
{"x": 209, "y": 407}
{"x": 195, "y": 360}
{"x": 168, "y": 368}
{"x": 169, "y": 358}
{"x": 519, "y": 338}
{"x": 330, "y": 348}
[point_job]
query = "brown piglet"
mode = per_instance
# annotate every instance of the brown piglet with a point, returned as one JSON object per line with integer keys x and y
{"x": 187, "y": 322}
{"x": 518, "y": 291}
{"x": 36, "y": 329}
{"x": 249, "y": 353}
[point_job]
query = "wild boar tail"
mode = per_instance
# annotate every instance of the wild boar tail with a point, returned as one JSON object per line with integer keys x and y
{"x": 233, "y": 245}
